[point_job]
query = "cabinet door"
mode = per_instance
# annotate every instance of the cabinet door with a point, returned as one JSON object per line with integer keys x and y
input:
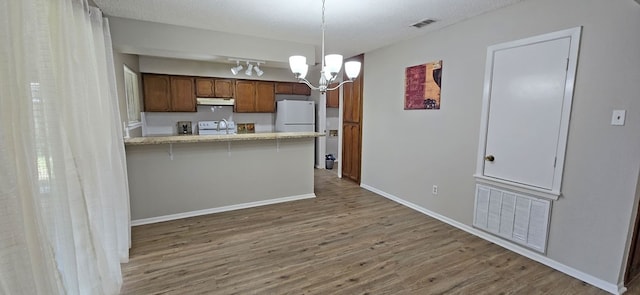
{"x": 333, "y": 97}
{"x": 245, "y": 97}
{"x": 205, "y": 87}
{"x": 301, "y": 89}
{"x": 284, "y": 88}
{"x": 224, "y": 88}
{"x": 352, "y": 95}
{"x": 157, "y": 93}
{"x": 183, "y": 94}
{"x": 351, "y": 151}
{"x": 265, "y": 97}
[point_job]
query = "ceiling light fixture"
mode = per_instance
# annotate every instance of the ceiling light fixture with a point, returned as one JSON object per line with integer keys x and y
{"x": 259, "y": 72}
{"x": 249, "y": 70}
{"x": 331, "y": 65}
{"x": 250, "y": 67}
{"x": 235, "y": 70}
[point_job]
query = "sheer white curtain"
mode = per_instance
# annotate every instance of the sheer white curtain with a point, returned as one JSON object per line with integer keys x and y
{"x": 64, "y": 215}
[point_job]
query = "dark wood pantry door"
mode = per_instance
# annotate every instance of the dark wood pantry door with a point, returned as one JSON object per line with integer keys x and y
{"x": 352, "y": 125}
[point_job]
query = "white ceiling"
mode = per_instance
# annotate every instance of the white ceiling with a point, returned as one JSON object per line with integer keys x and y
{"x": 352, "y": 26}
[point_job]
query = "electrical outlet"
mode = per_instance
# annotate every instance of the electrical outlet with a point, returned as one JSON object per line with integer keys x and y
{"x": 434, "y": 190}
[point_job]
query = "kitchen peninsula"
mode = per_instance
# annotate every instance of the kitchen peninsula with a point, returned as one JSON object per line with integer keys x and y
{"x": 173, "y": 177}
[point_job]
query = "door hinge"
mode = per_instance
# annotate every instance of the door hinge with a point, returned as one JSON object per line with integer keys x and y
{"x": 567, "y": 69}
{"x": 555, "y": 160}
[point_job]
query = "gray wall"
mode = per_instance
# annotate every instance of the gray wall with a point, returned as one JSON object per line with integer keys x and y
{"x": 204, "y": 176}
{"x": 119, "y": 60}
{"x": 406, "y": 152}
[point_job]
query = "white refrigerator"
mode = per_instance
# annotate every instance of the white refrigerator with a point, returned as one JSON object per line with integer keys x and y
{"x": 295, "y": 116}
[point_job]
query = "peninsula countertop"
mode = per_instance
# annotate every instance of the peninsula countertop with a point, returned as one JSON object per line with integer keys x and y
{"x": 147, "y": 140}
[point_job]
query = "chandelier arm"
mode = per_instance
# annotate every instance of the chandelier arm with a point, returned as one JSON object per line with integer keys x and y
{"x": 339, "y": 85}
{"x": 303, "y": 80}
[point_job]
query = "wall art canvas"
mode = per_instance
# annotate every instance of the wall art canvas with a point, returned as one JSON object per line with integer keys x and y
{"x": 422, "y": 86}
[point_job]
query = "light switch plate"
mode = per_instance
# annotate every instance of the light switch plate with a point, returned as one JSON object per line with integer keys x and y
{"x": 617, "y": 119}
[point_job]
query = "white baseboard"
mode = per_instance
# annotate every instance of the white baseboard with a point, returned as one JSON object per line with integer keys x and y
{"x": 597, "y": 282}
{"x": 219, "y": 209}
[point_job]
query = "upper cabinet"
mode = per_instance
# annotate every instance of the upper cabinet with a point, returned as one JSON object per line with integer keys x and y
{"x": 284, "y": 88}
{"x": 292, "y": 88}
{"x": 265, "y": 97}
{"x": 333, "y": 96}
{"x": 183, "y": 95}
{"x": 255, "y": 97}
{"x": 157, "y": 93}
{"x": 212, "y": 87}
{"x": 164, "y": 93}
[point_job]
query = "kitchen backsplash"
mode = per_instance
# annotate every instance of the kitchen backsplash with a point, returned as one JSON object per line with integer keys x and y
{"x": 157, "y": 124}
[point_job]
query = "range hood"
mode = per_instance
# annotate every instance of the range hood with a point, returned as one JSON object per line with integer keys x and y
{"x": 205, "y": 101}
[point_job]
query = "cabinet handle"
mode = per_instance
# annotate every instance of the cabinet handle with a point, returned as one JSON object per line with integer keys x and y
{"x": 490, "y": 158}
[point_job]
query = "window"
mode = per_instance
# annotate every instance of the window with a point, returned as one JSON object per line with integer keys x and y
{"x": 132, "y": 94}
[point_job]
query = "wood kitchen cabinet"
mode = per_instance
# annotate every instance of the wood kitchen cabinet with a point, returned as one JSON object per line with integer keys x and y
{"x": 292, "y": 88}
{"x": 301, "y": 89}
{"x": 157, "y": 93}
{"x": 265, "y": 97}
{"x": 183, "y": 94}
{"x": 255, "y": 97}
{"x": 212, "y": 87}
{"x": 333, "y": 97}
{"x": 284, "y": 88}
{"x": 164, "y": 93}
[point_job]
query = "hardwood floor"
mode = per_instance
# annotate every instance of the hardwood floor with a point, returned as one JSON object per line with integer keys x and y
{"x": 345, "y": 241}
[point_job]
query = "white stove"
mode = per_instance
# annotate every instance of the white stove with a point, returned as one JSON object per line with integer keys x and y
{"x": 217, "y": 127}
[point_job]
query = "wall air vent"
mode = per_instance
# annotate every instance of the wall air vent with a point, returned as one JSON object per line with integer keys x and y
{"x": 426, "y": 22}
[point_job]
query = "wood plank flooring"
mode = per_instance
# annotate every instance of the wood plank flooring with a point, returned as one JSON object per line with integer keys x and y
{"x": 345, "y": 241}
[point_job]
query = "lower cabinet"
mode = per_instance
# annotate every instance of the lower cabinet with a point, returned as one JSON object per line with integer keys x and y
{"x": 255, "y": 97}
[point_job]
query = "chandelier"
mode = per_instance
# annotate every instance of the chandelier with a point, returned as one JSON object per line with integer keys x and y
{"x": 331, "y": 65}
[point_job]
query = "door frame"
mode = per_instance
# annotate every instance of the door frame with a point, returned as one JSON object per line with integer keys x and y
{"x": 574, "y": 35}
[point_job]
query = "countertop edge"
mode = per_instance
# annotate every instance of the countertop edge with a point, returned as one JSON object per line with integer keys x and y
{"x": 148, "y": 140}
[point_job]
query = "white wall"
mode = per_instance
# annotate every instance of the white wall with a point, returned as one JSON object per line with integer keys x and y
{"x": 406, "y": 152}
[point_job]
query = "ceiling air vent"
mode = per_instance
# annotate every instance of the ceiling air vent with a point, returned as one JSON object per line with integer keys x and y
{"x": 423, "y": 23}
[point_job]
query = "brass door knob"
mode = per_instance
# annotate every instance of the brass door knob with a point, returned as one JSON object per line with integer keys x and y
{"x": 490, "y": 158}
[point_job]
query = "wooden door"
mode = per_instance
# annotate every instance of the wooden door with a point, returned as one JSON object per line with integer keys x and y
{"x": 525, "y": 119}
{"x": 333, "y": 97}
{"x": 352, "y": 125}
{"x": 183, "y": 94}
{"x": 157, "y": 93}
{"x": 245, "y": 97}
{"x": 265, "y": 97}
{"x": 205, "y": 87}
{"x": 223, "y": 88}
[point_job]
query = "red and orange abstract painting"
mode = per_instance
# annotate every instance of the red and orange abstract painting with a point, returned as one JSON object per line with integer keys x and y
{"x": 422, "y": 86}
